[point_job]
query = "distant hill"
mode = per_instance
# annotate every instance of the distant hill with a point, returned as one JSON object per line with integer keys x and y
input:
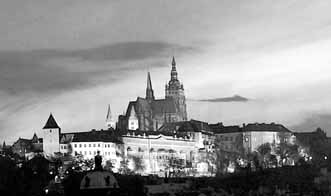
{"x": 235, "y": 98}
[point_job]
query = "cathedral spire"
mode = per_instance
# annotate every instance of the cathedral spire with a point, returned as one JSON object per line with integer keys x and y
{"x": 173, "y": 69}
{"x": 108, "y": 117}
{"x": 149, "y": 89}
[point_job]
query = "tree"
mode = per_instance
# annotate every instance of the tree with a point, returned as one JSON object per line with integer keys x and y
{"x": 124, "y": 167}
{"x": 138, "y": 164}
{"x": 109, "y": 165}
{"x": 287, "y": 153}
{"x": 264, "y": 150}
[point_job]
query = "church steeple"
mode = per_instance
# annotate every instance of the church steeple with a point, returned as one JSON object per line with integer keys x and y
{"x": 110, "y": 123}
{"x": 173, "y": 69}
{"x": 149, "y": 89}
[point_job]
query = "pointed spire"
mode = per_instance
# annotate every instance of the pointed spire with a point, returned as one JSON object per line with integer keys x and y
{"x": 149, "y": 82}
{"x": 173, "y": 63}
{"x": 149, "y": 89}
{"x": 173, "y": 69}
{"x": 110, "y": 123}
{"x": 4, "y": 145}
{"x": 34, "y": 138}
{"x": 51, "y": 123}
{"x": 109, "y": 116}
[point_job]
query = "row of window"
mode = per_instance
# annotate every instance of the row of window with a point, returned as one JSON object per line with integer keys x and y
{"x": 90, "y": 145}
{"x": 90, "y": 153}
{"x": 63, "y": 147}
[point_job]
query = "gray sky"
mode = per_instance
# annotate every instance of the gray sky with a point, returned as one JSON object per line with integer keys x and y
{"x": 74, "y": 57}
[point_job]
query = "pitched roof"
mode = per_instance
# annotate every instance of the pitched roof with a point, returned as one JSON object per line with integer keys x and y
{"x": 272, "y": 127}
{"x": 219, "y": 128}
{"x": 158, "y": 106}
{"x": 185, "y": 126}
{"x": 96, "y": 136}
{"x": 51, "y": 123}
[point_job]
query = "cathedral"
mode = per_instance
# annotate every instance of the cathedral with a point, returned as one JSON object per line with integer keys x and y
{"x": 149, "y": 114}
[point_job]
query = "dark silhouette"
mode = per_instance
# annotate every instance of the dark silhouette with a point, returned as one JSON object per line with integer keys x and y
{"x": 98, "y": 161}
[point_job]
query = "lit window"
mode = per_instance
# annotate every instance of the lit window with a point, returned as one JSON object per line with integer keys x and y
{"x": 246, "y": 139}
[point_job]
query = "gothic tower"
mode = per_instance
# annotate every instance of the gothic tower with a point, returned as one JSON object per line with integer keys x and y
{"x": 175, "y": 90}
{"x": 110, "y": 122}
{"x": 149, "y": 89}
{"x": 51, "y": 136}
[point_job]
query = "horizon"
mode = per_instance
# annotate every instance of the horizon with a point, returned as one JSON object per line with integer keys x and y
{"x": 55, "y": 58}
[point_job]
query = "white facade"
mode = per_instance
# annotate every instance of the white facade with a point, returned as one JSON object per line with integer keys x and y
{"x": 88, "y": 150}
{"x": 156, "y": 151}
{"x": 133, "y": 123}
{"x": 254, "y": 139}
{"x": 51, "y": 141}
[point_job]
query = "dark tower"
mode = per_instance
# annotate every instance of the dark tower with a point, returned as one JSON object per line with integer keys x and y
{"x": 149, "y": 89}
{"x": 175, "y": 90}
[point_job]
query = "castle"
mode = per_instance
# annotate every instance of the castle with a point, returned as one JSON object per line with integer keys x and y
{"x": 155, "y": 136}
{"x": 149, "y": 114}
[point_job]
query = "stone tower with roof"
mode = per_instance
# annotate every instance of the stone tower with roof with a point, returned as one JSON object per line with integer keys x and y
{"x": 51, "y": 136}
{"x": 175, "y": 90}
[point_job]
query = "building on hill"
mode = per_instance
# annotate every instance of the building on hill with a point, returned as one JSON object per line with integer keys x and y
{"x": 188, "y": 142}
{"x": 87, "y": 144}
{"x": 315, "y": 143}
{"x": 249, "y": 137}
{"x": 27, "y": 147}
{"x": 228, "y": 139}
{"x": 149, "y": 114}
{"x": 256, "y": 134}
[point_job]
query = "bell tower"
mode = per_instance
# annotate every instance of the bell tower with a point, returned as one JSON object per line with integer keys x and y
{"x": 175, "y": 90}
{"x": 51, "y": 136}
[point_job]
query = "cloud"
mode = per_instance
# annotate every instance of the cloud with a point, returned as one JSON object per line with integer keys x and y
{"x": 314, "y": 121}
{"x": 47, "y": 70}
{"x": 234, "y": 98}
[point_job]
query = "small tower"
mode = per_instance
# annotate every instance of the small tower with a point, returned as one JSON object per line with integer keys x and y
{"x": 149, "y": 89}
{"x": 51, "y": 136}
{"x": 133, "y": 122}
{"x": 110, "y": 122}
